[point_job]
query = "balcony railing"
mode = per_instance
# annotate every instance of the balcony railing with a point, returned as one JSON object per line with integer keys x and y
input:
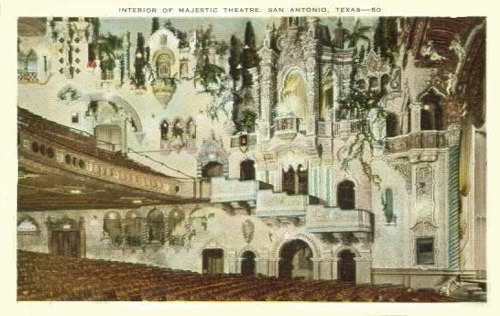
{"x": 281, "y": 204}
{"x": 286, "y": 127}
{"x": 235, "y": 190}
{"x": 416, "y": 140}
{"x": 349, "y": 127}
{"x": 320, "y": 219}
{"x": 243, "y": 140}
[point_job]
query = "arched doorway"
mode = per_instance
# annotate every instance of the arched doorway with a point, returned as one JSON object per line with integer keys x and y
{"x": 247, "y": 170}
{"x": 346, "y": 195}
{"x": 296, "y": 260}
{"x": 213, "y": 261}
{"x": 212, "y": 169}
{"x": 248, "y": 263}
{"x": 432, "y": 116}
{"x": 346, "y": 266}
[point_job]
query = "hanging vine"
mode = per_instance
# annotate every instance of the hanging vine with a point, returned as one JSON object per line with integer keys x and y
{"x": 361, "y": 103}
{"x": 211, "y": 76}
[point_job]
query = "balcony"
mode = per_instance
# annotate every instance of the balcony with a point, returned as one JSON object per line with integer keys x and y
{"x": 320, "y": 219}
{"x": 235, "y": 190}
{"x": 271, "y": 204}
{"x": 286, "y": 127}
{"x": 349, "y": 127}
{"x": 243, "y": 140}
{"x": 416, "y": 140}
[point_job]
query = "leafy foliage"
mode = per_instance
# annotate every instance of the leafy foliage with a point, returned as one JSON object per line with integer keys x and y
{"x": 247, "y": 121}
{"x": 249, "y": 57}
{"x": 386, "y": 37}
{"x": 107, "y": 46}
{"x": 235, "y": 58}
{"x": 363, "y": 102}
{"x": 209, "y": 75}
{"x": 358, "y": 33}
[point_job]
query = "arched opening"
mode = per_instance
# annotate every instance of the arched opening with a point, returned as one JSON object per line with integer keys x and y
{"x": 212, "y": 169}
{"x": 248, "y": 263}
{"x": 346, "y": 195}
{"x": 289, "y": 181}
{"x": 191, "y": 129}
{"x": 373, "y": 84}
{"x": 389, "y": 205}
{"x": 113, "y": 227}
{"x": 431, "y": 114}
{"x": 32, "y": 62}
{"x": 296, "y": 260}
{"x": 346, "y": 266}
{"x": 164, "y": 130}
{"x": 156, "y": 227}
{"x": 326, "y": 98}
{"x": 302, "y": 176}
{"x": 163, "y": 65}
{"x": 294, "y": 96}
{"x": 391, "y": 125}
{"x": 247, "y": 170}
{"x": 133, "y": 229}
{"x": 384, "y": 83}
{"x": 183, "y": 69}
{"x": 213, "y": 261}
{"x": 109, "y": 137}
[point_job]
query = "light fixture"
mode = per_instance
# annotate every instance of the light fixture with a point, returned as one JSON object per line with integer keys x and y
{"x": 136, "y": 201}
{"x": 75, "y": 191}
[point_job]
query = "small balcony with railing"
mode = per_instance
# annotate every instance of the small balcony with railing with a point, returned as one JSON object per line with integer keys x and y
{"x": 281, "y": 204}
{"x": 431, "y": 139}
{"x": 235, "y": 190}
{"x": 321, "y": 219}
{"x": 287, "y": 127}
{"x": 349, "y": 122}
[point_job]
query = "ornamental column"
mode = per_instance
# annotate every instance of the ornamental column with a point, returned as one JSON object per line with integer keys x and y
{"x": 415, "y": 109}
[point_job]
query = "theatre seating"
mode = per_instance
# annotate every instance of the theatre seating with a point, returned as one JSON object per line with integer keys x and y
{"x": 42, "y": 277}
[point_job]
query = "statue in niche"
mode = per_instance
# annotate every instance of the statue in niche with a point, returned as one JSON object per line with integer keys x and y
{"x": 430, "y": 52}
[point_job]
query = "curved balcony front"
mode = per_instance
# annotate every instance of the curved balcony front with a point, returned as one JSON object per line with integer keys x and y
{"x": 320, "y": 219}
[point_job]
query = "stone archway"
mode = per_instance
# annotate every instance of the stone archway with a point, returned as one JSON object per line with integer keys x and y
{"x": 120, "y": 103}
{"x": 296, "y": 260}
{"x": 247, "y": 170}
{"x": 248, "y": 263}
{"x": 346, "y": 266}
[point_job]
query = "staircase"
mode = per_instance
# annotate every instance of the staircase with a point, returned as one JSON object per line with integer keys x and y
{"x": 471, "y": 288}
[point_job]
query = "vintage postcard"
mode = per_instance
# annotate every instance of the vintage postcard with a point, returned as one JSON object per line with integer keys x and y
{"x": 250, "y": 153}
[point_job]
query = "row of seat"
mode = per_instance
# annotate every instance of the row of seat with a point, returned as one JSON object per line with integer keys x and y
{"x": 43, "y": 277}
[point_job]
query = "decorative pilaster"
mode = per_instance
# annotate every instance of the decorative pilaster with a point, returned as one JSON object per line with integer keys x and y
{"x": 316, "y": 270}
{"x": 453, "y": 200}
{"x": 267, "y": 91}
{"x": 415, "y": 116}
{"x": 363, "y": 270}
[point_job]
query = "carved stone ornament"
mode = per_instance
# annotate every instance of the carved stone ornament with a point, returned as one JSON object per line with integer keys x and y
{"x": 248, "y": 229}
